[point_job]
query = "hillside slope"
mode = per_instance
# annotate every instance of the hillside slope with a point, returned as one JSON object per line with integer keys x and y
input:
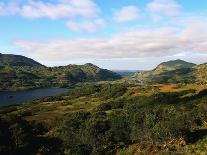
{"x": 177, "y": 71}
{"x": 17, "y": 60}
{"x": 18, "y": 72}
{"x": 172, "y": 65}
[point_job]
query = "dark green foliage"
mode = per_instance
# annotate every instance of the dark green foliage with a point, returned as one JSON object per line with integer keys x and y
{"x": 19, "y": 137}
{"x": 166, "y": 98}
{"x": 97, "y": 133}
{"x": 84, "y": 132}
{"x": 7, "y": 109}
{"x": 119, "y": 127}
{"x": 50, "y": 99}
{"x": 5, "y": 142}
{"x": 200, "y": 95}
{"x": 104, "y": 107}
{"x": 84, "y": 90}
{"x": 118, "y": 104}
{"x": 72, "y": 131}
{"x": 16, "y": 134}
{"x": 113, "y": 90}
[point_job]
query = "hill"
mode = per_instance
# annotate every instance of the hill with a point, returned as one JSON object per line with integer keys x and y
{"x": 18, "y": 72}
{"x": 177, "y": 71}
{"x": 172, "y": 65}
{"x": 17, "y": 60}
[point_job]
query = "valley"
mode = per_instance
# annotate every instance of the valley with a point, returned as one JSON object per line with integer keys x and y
{"x": 163, "y": 111}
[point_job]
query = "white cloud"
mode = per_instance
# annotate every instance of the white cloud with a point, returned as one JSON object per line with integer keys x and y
{"x": 160, "y": 8}
{"x": 86, "y": 26}
{"x": 127, "y": 13}
{"x": 62, "y": 9}
{"x": 57, "y": 10}
{"x": 160, "y": 42}
{"x": 66, "y": 10}
{"x": 11, "y": 8}
{"x": 186, "y": 36}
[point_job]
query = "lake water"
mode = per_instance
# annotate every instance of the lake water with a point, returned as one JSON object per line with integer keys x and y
{"x": 18, "y": 97}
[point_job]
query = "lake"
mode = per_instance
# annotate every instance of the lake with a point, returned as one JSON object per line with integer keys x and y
{"x": 18, "y": 97}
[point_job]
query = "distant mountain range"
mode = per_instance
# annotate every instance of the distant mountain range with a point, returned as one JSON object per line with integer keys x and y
{"x": 175, "y": 71}
{"x": 19, "y": 72}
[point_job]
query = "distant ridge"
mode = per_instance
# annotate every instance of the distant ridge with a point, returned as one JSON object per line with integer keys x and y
{"x": 19, "y": 72}
{"x": 17, "y": 60}
{"x": 178, "y": 62}
{"x": 174, "y": 71}
{"x": 173, "y": 65}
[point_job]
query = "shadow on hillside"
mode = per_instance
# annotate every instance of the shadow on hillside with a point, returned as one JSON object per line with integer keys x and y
{"x": 193, "y": 137}
{"x": 46, "y": 145}
{"x": 201, "y": 94}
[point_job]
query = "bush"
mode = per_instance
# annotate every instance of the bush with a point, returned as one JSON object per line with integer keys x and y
{"x": 104, "y": 107}
{"x": 112, "y": 90}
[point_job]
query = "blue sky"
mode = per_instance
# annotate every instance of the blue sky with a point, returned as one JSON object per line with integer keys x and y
{"x": 119, "y": 34}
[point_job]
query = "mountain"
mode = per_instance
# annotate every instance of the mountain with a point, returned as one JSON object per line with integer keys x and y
{"x": 175, "y": 71}
{"x": 18, "y": 72}
{"x": 17, "y": 60}
{"x": 172, "y": 65}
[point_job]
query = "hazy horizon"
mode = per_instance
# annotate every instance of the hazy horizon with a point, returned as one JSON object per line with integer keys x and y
{"x": 118, "y": 35}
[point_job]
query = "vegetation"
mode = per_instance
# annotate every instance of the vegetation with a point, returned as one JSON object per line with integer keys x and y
{"x": 176, "y": 71}
{"x": 126, "y": 73}
{"x": 17, "y": 60}
{"x": 95, "y": 118}
{"x": 18, "y": 72}
{"x": 109, "y": 118}
{"x": 173, "y": 65}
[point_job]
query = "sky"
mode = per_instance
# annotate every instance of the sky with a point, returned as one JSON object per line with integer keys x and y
{"x": 117, "y": 35}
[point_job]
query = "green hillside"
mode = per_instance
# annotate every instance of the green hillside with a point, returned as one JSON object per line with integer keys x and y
{"x": 172, "y": 65}
{"x": 17, "y": 72}
{"x": 200, "y": 72}
{"x": 17, "y": 60}
{"x": 177, "y": 71}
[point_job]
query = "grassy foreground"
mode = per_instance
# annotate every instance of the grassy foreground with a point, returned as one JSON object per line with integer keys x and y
{"x": 109, "y": 118}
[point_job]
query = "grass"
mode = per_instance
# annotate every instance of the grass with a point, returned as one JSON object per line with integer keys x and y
{"x": 47, "y": 111}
